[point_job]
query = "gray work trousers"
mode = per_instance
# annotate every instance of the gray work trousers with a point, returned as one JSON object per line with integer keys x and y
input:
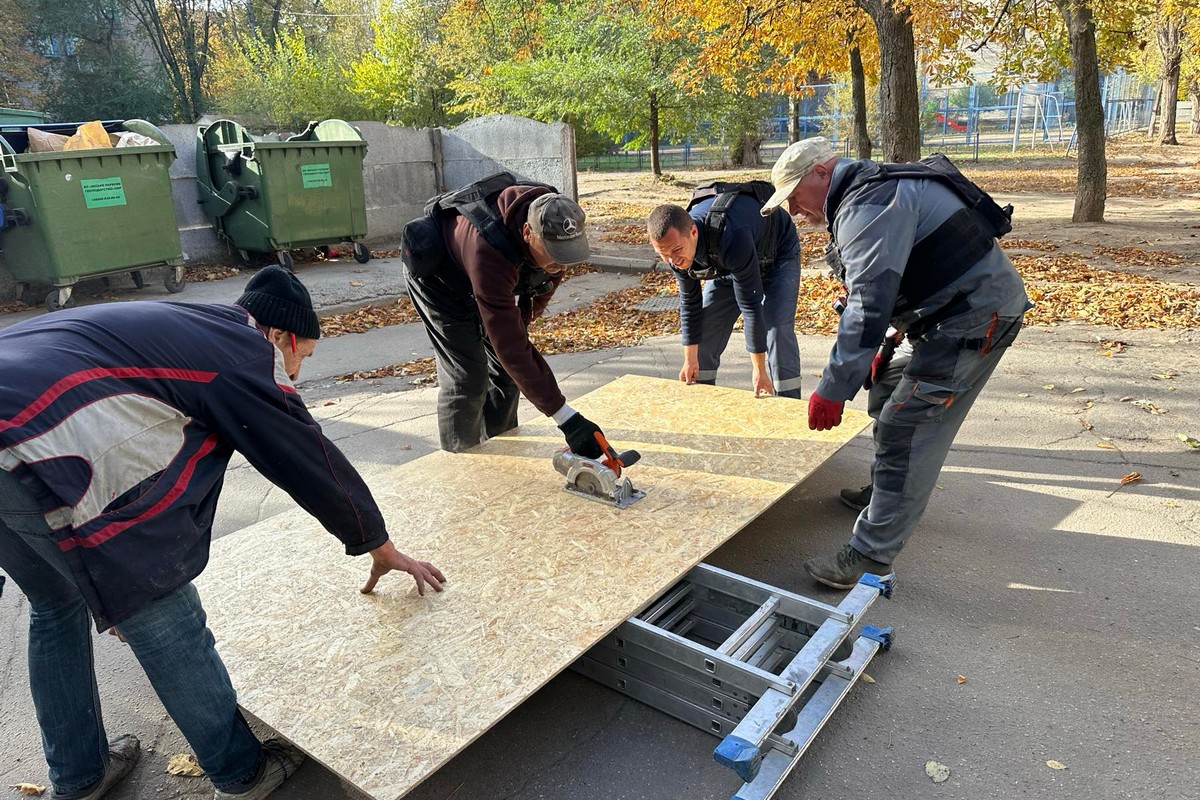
{"x": 919, "y": 403}
{"x": 476, "y": 398}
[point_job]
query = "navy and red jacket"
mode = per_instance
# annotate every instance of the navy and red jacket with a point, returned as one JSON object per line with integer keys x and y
{"x": 123, "y": 417}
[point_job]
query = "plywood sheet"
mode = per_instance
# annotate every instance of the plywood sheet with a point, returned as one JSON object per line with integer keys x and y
{"x": 383, "y": 689}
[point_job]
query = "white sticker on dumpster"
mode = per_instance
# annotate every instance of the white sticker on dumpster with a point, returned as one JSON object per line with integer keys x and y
{"x": 103, "y": 192}
{"x": 314, "y": 176}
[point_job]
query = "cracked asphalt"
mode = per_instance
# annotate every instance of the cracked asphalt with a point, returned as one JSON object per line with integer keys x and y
{"x": 1069, "y": 608}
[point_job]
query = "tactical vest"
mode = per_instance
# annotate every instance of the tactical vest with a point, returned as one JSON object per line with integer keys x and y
{"x": 726, "y": 193}
{"x": 424, "y": 248}
{"x": 954, "y": 247}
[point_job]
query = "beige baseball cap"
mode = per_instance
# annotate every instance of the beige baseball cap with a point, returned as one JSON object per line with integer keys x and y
{"x": 794, "y": 163}
{"x": 559, "y": 221}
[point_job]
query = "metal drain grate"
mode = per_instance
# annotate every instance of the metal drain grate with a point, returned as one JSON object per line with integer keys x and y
{"x": 660, "y": 303}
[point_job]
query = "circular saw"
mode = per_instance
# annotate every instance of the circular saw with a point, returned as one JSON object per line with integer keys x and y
{"x": 602, "y": 478}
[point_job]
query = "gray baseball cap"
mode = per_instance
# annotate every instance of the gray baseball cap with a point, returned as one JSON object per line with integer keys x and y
{"x": 794, "y": 163}
{"x": 559, "y": 221}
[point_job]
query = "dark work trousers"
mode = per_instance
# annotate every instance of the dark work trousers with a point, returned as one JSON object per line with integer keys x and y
{"x": 919, "y": 403}
{"x": 476, "y": 398}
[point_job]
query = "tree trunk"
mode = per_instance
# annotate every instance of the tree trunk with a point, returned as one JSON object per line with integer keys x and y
{"x": 1092, "y": 178}
{"x": 655, "y": 160}
{"x": 747, "y": 151}
{"x": 793, "y": 119}
{"x": 1172, "y": 55}
{"x": 1155, "y": 111}
{"x": 897, "y": 80}
{"x": 1194, "y": 91}
{"x": 858, "y": 82}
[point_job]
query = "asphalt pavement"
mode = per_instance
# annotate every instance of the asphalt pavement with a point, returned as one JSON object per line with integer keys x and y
{"x": 1067, "y": 608}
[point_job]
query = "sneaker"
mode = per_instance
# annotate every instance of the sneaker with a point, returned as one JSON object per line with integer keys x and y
{"x": 123, "y": 753}
{"x": 858, "y": 499}
{"x": 280, "y": 762}
{"x": 843, "y": 569}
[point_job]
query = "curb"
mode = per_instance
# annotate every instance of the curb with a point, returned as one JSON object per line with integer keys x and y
{"x": 636, "y": 266}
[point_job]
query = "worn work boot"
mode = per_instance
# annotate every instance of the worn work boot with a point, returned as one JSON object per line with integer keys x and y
{"x": 858, "y": 499}
{"x": 123, "y": 753}
{"x": 280, "y": 761}
{"x": 843, "y": 569}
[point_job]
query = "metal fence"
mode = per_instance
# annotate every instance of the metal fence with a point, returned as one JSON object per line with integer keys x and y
{"x": 955, "y": 119}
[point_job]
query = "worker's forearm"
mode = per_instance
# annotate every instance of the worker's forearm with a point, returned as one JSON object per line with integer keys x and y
{"x": 691, "y": 353}
{"x": 759, "y": 360}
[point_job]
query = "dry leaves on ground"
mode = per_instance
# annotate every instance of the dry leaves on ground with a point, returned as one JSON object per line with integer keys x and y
{"x": 1124, "y": 180}
{"x": 184, "y": 764}
{"x": 812, "y": 247}
{"x": 368, "y": 318}
{"x": 615, "y": 209}
{"x": 1011, "y": 243}
{"x": 1137, "y": 257}
{"x": 624, "y": 233}
{"x": 1071, "y": 268}
{"x": 198, "y": 273}
{"x": 1052, "y": 764}
{"x": 32, "y": 789}
{"x": 422, "y": 368}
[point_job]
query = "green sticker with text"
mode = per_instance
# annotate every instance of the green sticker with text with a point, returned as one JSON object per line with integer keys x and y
{"x": 314, "y": 176}
{"x": 103, "y": 192}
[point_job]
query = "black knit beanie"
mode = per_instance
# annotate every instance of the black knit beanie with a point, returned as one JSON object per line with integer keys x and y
{"x": 277, "y": 299}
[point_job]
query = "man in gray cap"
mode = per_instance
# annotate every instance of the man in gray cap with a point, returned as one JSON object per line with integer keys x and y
{"x": 117, "y": 422}
{"x": 916, "y": 250}
{"x": 501, "y": 249}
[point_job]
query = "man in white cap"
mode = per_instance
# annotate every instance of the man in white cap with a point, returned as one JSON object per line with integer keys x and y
{"x": 915, "y": 246}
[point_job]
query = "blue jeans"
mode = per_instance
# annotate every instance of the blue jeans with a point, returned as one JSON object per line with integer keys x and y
{"x": 781, "y": 284}
{"x": 169, "y": 637}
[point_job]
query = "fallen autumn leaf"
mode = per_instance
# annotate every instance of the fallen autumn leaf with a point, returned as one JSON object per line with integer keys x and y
{"x": 938, "y": 773}
{"x": 184, "y": 764}
{"x": 1052, "y": 764}
{"x": 28, "y": 788}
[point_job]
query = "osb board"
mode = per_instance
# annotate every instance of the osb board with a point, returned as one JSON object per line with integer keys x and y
{"x": 384, "y": 689}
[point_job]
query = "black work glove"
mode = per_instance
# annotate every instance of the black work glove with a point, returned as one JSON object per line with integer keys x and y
{"x": 580, "y": 433}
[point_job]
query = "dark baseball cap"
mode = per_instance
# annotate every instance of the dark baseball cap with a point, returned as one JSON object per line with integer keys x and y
{"x": 559, "y": 221}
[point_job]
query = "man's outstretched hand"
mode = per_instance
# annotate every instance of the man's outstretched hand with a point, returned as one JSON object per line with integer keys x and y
{"x": 386, "y": 558}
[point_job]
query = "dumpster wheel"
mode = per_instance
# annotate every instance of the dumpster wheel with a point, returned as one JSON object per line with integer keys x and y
{"x": 175, "y": 279}
{"x": 55, "y": 301}
{"x": 362, "y": 254}
{"x": 286, "y": 261}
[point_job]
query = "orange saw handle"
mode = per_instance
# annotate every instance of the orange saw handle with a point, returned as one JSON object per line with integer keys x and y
{"x": 614, "y": 460}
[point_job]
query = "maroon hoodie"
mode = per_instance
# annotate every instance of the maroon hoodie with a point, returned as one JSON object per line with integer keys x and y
{"x": 493, "y": 279}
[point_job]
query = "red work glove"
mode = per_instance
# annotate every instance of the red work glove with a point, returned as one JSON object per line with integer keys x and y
{"x": 824, "y": 414}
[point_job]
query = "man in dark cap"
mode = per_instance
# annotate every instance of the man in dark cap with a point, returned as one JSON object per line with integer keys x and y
{"x": 500, "y": 249}
{"x": 117, "y": 422}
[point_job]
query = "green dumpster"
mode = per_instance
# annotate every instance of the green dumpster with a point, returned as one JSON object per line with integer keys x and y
{"x": 70, "y": 215}
{"x": 272, "y": 197}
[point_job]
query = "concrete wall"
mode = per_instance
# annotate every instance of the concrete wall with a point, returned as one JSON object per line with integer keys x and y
{"x": 404, "y": 167}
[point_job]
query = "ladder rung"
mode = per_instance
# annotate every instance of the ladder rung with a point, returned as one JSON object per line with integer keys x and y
{"x": 747, "y": 628}
{"x": 664, "y": 605}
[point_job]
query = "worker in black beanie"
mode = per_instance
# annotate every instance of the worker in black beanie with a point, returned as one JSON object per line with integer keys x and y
{"x": 159, "y": 397}
{"x": 276, "y": 298}
{"x": 283, "y": 311}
